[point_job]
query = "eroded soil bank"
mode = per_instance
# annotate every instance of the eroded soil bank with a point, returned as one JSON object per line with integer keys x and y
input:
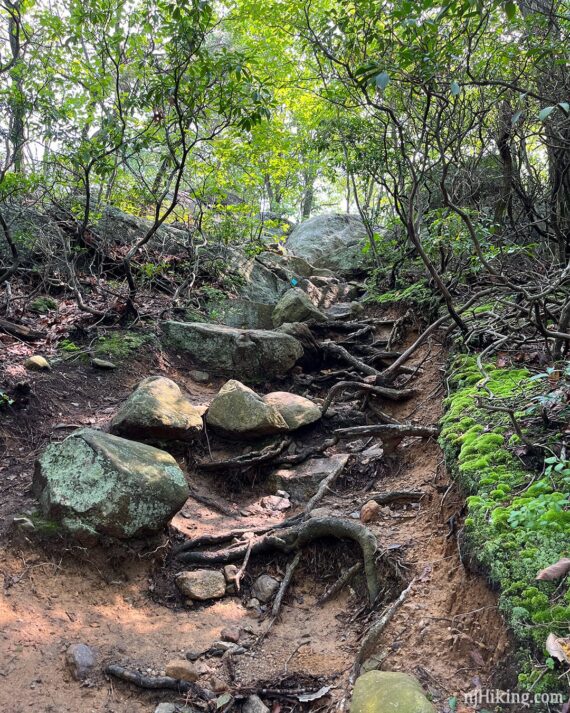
{"x": 123, "y": 603}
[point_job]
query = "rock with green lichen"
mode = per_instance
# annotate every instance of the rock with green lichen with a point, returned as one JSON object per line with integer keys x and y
{"x": 37, "y": 363}
{"x": 96, "y": 484}
{"x": 157, "y": 409}
{"x": 255, "y": 354}
{"x": 389, "y": 692}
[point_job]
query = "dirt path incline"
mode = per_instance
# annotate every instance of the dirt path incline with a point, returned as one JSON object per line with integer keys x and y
{"x": 337, "y": 542}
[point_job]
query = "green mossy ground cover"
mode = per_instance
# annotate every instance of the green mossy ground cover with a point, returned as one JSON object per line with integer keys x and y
{"x": 120, "y": 345}
{"x": 518, "y": 519}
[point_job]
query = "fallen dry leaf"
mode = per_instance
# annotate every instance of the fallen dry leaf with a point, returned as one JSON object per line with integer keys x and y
{"x": 555, "y": 571}
{"x": 558, "y": 648}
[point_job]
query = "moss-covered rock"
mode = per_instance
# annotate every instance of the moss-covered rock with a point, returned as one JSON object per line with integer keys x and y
{"x": 518, "y": 522}
{"x": 94, "y": 484}
{"x": 254, "y": 354}
{"x": 389, "y": 692}
{"x": 157, "y": 410}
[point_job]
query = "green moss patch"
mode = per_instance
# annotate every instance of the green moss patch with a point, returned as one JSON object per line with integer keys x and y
{"x": 121, "y": 345}
{"x": 518, "y": 520}
{"x": 43, "y": 305}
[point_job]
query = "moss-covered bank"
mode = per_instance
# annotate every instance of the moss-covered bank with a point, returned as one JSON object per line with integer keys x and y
{"x": 518, "y": 519}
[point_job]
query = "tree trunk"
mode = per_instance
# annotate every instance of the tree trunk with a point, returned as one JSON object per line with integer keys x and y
{"x": 553, "y": 81}
{"x": 17, "y": 108}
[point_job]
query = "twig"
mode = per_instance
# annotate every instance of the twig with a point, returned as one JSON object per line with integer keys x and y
{"x": 340, "y": 583}
{"x": 241, "y": 571}
{"x": 290, "y": 570}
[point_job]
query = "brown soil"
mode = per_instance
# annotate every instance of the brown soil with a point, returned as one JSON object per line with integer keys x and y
{"x": 122, "y": 602}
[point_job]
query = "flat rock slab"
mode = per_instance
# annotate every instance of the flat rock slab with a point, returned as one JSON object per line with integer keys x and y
{"x": 93, "y": 483}
{"x": 303, "y": 481}
{"x": 157, "y": 409}
{"x": 255, "y": 354}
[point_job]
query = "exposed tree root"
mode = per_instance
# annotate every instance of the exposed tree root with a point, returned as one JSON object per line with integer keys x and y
{"x": 289, "y": 572}
{"x": 211, "y": 503}
{"x": 340, "y": 583}
{"x": 388, "y": 430}
{"x": 156, "y": 682}
{"x": 324, "y": 485}
{"x": 382, "y": 391}
{"x": 306, "y": 453}
{"x": 341, "y": 353}
{"x": 213, "y": 540}
{"x": 395, "y": 496}
{"x": 370, "y": 641}
{"x": 295, "y": 538}
{"x": 254, "y": 458}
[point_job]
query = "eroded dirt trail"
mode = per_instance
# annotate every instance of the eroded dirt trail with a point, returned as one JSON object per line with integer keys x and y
{"x": 124, "y": 603}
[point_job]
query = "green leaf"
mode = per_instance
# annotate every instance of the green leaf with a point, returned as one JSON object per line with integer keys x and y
{"x": 455, "y": 88}
{"x": 516, "y": 117}
{"x": 565, "y": 106}
{"x": 511, "y": 9}
{"x": 223, "y": 700}
{"x": 546, "y": 112}
{"x": 382, "y": 80}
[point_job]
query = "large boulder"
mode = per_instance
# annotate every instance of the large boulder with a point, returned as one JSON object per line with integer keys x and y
{"x": 237, "y": 410}
{"x": 389, "y": 692}
{"x": 117, "y": 227}
{"x": 157, "y": 409}
{"x": 94, "y": 483}
{"x": 243, "y": 314}
{"x": 254, "y": 354}
{"x": 295, "y": 306}
{"x": 287, "y": 267}
{"x": 332, "y": 240}
{"x": 251, "y": 279}
{"x": 296, "y": 410}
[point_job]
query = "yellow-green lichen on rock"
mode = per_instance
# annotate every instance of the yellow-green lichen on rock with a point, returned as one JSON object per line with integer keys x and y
{"x": 94, "y": 484}
{"x": 389, "y": 692}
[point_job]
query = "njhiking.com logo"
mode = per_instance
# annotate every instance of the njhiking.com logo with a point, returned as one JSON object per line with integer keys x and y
{"x": 483, "y": 696}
